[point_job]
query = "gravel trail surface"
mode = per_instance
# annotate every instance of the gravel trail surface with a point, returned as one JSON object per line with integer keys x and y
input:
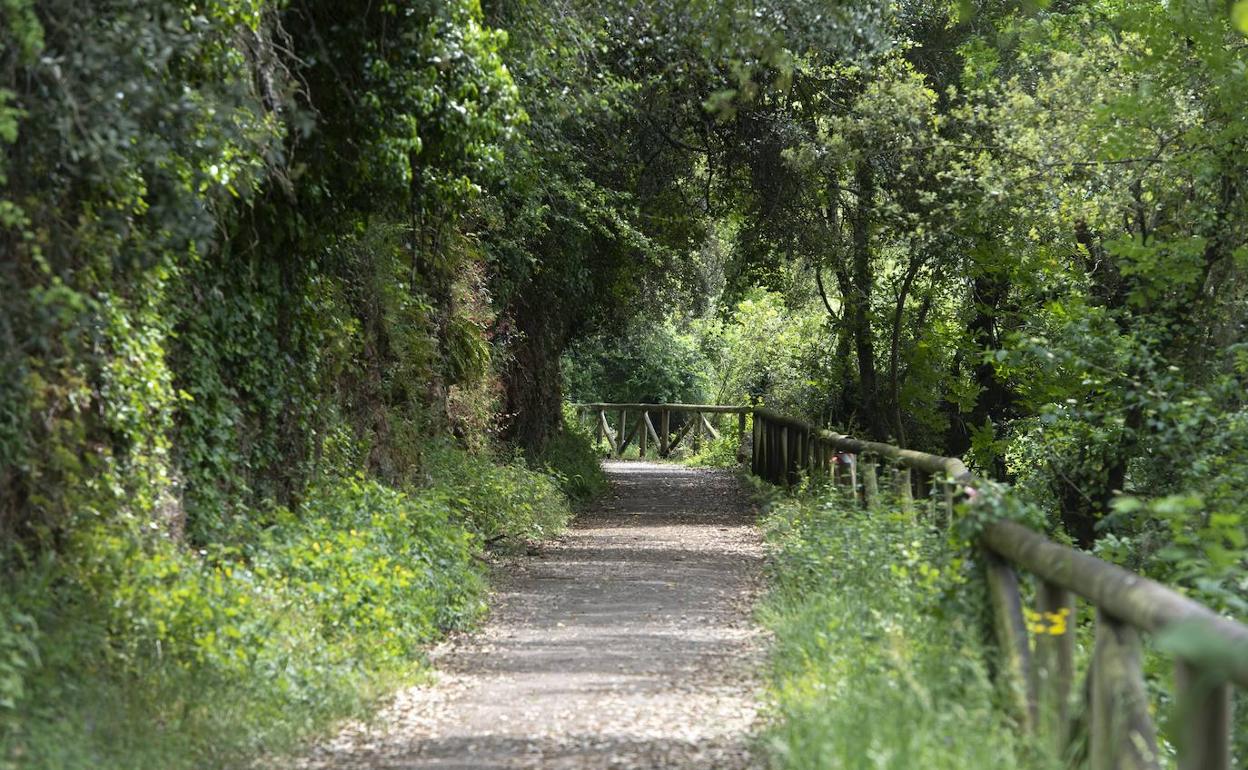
{"x": 627, "y": 643}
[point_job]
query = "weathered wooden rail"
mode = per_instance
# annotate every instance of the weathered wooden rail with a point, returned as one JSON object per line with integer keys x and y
{"x": 1037, "y": 666}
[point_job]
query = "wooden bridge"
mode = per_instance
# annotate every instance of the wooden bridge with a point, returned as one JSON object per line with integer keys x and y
{"x": 634, "y": 421}
{"x": 1037, "y": 647}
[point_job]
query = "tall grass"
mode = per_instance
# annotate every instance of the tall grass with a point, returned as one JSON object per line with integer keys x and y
{"x": 876, "y": 664}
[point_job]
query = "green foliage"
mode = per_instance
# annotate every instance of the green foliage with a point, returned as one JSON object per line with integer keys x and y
{"x": 252, "y": 248}
{"x": 649, "y": 363}
{"x": 770, "y": 353}
{"x": 500, "y": 500}
{"x": 719, "y": 452}
{"x": 877, "y": 661}
{"x": 156, "y": 656}
{"x": 570, "y": 458}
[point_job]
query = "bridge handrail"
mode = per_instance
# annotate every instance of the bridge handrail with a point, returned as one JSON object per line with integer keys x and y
{"x": 928, "y": 463}
{"x": 707, "y": 408}
{"x": 1040, "y": 680}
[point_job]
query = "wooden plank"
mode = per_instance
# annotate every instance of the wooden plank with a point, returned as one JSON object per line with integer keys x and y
{"x": 1122, "y": 734}
{"x": 921, "y": 460}
{"x": 654, "y": 434}
{"x": 756, "y": 447}
{"x": 680, "y": 434}
{"x": 1011, "y": 633}
{"x": 1204, "y": 716}
{"x": 776, "y": 454}
{"x": 633, "y": 432}
{"x": 710, "y": 429}
{"x": 785, "y": 452}
{"x": 605, "y": 429}
{"x": 708, "y": 408}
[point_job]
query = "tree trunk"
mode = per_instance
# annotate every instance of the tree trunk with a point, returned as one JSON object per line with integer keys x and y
{"x": 894, "y": 353}
{"x": 533, "y": 380}
{"x": 996, "y": 401}
{"x": 858, "y": 303}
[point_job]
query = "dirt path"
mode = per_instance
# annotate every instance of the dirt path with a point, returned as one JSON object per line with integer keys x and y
{"x": 626, "y": 644}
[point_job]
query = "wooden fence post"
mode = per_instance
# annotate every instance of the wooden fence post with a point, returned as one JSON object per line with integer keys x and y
{"x": 1204, "y": 715}
{"x": 905, "y": 493}
{"x": 1054, "y": 666}
{"x": 779, "y": 448}
{"x": 1011, "y": 632}
{"x": 756, "y": 445}
{"x": 870, "y": 484}
{"x": 784, "y": 453}
{"x": 1122, "y": 735}
{"x": 665, "y": 432}
{"x": 740, "y": 436}
{"x": 948, "y": 488}
{"x": 642, "y": 436}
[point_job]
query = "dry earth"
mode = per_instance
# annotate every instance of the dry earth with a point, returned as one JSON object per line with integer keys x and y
{"x": 627, "y": 643}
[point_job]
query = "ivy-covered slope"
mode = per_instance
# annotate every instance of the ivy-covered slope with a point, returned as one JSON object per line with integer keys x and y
{"x": 251, "y": 367}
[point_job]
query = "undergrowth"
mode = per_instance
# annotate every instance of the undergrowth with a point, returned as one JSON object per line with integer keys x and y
{"x": 130, "y": 649}
{"x": 716, "y": 452}
{"x": 875, "y": 664}
{"x": 571, "y": 458}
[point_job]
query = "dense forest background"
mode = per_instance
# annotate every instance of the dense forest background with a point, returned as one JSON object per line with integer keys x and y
{"x": 291, "y": 292}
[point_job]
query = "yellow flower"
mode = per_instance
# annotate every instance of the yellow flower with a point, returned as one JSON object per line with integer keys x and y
{"x": 1051, "y": 623}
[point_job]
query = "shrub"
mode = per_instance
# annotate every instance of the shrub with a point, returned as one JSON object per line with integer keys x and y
{"x": 155, "y": 656}
{"x": 571, "y": 458}
{"x": 499, "y": 501}
{"x": 719, "y": 452}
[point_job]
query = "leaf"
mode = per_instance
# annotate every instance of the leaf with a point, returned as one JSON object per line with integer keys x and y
{"x": 1239, "y": 16}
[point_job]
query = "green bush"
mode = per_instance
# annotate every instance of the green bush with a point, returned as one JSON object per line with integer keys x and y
{"x": 499, "y": 501}
{"x": 152, "y": 655}
{"x": 571, "y": 458}
{"x": 872, "y": 667}
{"x": 719, "y": 452}
{"x": 652, "y": 361}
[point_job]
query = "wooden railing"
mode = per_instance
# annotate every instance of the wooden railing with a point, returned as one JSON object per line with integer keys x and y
{"x": 1037, "y": 647}
{"x": 1040, "y": 672}
{"x": 633, "y": 421}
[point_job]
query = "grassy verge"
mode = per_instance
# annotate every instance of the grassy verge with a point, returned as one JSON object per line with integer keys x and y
{"x": 133, "y": 650}
{"x": 876, "y": 663}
